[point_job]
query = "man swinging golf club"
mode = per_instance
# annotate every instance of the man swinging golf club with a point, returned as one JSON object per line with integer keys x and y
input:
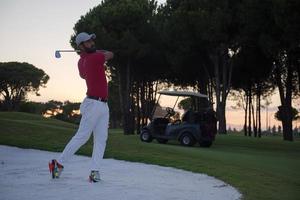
{"x": 94, "y": 109}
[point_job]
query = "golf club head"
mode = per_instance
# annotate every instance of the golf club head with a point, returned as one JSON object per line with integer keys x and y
{"x": 57, "y": 54}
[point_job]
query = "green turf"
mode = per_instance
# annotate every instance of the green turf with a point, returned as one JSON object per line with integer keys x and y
{"x": 266, "y": 168}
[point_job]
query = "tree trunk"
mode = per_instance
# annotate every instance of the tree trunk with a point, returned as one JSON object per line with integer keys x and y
{"x": 246, "y": 111}
{"x": 217, "y": 86}
{"x": 152, "y": 91}
{"x": 132, "y": 112}
{"x": 249, "y": 116}
{"x": 202, "y": 88}
{"x": 256, "y": 116}
{"x": 124, "y": 90}
{"x": 285, "y": 92}
{"x": 222, "y": 118}
{"x": 210, "y": 92}
{"x": 259, "y": 113}
{"x": 8, "y": 100}
{"x": 138, "y": 115}
{"x": 254, "y": 121}
{"x": 222, "y": 87}
{"x": 287, "y": 124}
{"x": 208, "y": 84}
{"x": 149, "y": 95}
{"x": 143, "y": 103}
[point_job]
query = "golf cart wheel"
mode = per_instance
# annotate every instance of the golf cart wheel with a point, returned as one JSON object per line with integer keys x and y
{"x": 205, "y": 143}
{"x": 145, "y": 136}
{"x": 187, "y": 139}
{"x": 161, "y": 141}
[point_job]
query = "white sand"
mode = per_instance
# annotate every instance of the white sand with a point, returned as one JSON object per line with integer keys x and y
{"x": 24, "y": 175}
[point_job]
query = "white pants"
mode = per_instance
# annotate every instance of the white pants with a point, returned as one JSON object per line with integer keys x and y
{"x": 95, "y": 116}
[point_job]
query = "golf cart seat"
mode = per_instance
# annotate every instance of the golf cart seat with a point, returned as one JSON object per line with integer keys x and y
{"x": 160, "y": 124}
{"x": 194, "y": 117}
{"x": 188, "y": 116}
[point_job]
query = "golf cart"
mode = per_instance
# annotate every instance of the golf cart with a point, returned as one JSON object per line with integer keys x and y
{"x": 198, "y": 123}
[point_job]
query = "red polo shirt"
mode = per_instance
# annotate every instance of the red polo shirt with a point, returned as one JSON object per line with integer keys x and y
{"x": 91, "y": 68}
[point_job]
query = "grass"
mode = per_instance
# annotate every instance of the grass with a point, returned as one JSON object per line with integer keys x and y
{"x": 266, "y": 168}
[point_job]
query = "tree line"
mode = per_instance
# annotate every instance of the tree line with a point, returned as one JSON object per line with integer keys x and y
{"x": 250, "y": 46}
{"x": 247, "y": 48}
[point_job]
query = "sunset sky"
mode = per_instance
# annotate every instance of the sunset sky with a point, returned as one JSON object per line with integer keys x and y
{"x": 32, "y": 30}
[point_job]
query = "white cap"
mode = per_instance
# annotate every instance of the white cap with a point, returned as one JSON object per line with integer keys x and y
{"x": 83, "y": 36}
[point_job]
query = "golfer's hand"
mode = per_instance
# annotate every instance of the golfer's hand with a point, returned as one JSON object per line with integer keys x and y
{"x": 107, "y": 54}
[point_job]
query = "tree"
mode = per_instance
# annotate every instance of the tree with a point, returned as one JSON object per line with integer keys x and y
{"x": 253, "y": 78}
{"x": 32, "y": 107}
{"x": 286, "y": 45}
{"x": 69, "y": 113}
{"x": 296, "y": 131}
{"x": 279, "y": 129}
{"x": 68, "y": 109}
{"x": 201, "y": 35}
{"x": 274, "y": 26}
{"x": 52, "y": 107}
{"x": 253, "y": 65}
{"x": 115, "y": 117}
{"x": 185, "y": 49}
{"x": 274, "y": 130}
{"x": 221, "y": 25}
{"x": 198, "y": 43}
{"x": 17, "y": 80}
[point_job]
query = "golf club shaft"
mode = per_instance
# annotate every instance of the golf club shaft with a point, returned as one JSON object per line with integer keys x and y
{"x": 68, "y": 50}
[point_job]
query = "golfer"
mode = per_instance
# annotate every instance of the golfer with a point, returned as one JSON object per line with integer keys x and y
{"x": 94, "y": 109}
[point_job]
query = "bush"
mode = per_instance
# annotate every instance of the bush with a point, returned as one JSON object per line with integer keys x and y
{"x": 32, "y": 107}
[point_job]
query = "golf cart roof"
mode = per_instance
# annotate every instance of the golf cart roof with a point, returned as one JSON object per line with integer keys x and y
{"x": 183, "y": 93}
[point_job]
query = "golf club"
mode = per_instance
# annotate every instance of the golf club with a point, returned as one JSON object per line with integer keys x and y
{"x": 58, "y": 55}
